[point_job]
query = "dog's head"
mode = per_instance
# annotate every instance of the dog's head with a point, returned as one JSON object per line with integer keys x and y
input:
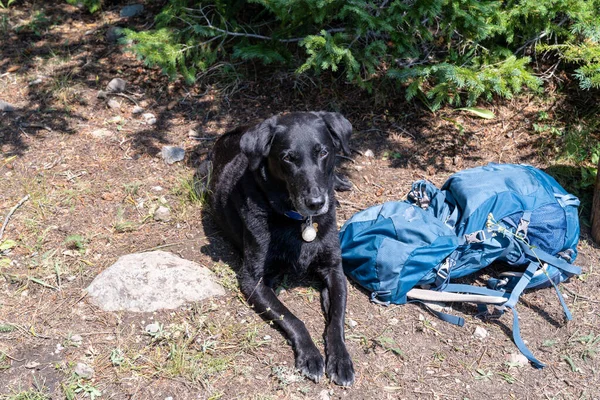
{"x": 298, "y": 149}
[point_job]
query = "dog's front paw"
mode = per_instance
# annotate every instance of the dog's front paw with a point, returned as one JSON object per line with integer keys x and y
{"x": 310, "y": 363}
{"x": 340, "y": 369}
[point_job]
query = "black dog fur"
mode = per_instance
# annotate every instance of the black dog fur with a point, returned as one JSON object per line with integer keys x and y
{"x": 286, "y": 163}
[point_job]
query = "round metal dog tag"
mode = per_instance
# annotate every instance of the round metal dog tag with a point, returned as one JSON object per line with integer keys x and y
{"x": 309, "y": 233}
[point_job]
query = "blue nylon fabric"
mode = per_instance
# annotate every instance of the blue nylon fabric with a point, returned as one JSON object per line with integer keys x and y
{"x": 391, "y": 248}
{"x": 394, "y": 250}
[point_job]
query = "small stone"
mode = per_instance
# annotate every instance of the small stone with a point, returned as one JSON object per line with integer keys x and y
{"x": 115, "y": 105}
{"x": 172, "y": 154}
{"x": 394, "y": 321}
{"x": 76, "y": 340}
{"x": 168, "y": 398}
{"x": 157, "y": 188}
{"x": 131, "y": 11}
{"x": 421, "y": 317}
{"x": 101, "y": 94}
{"x": 113, "y": 34}
{"x": 324, "y": 395}
{"x": 102, "y": 133}
{"x": 32, "y": 365}
{"x": 517, "y": 360}
{"x": 84, "y": 370}
{"x": 267, "y": 337}
{"x": 36, "y": 81}
{"x": 352, "y": 323}
{"x": 6, "y": 107}
{"x": 117, "y": 85}
{"x": 150, "y": 118}
{"x": 59, "y": 348}
{"x": 369, "y": 153}
{"x": 152, "y": 328}
{"x": 162, "y": 214}
{"x": 480, "y": 333}
{"x": 115, "y": 120}
{"x": 192, "y": 134}
{"x": 137, "y": 110}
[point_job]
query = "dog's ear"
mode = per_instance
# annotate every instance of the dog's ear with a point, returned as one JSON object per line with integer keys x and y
{"x": 340, "y": 129}
{"x": 256, "y": 142}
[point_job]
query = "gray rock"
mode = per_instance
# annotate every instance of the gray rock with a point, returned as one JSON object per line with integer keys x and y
{"x": 517, "y": 360}
{"x": 152, "y": 328}
{"x": 481, "y": 333}
{"x": 192, "y": 134}
{"x": 117, "y": 85}
{"x": 32, "y": 365}
{"x": 150, "y": 118}
{"x": 6, "y": 107}
{"x": 131, "y": 11}
{"x": 172, "y": 154}
{"x": 137, "y": 110}
{"x": 146, "y": 282}
{"x": 115, "y": 105}
{"x": 113, "y": 34}
{"x": 101, "y": 94}
{"x": 84, "y": 370}
{"x": 162, "y": 214}
{"x": 369, "y": 153}
{"x": 102, "y": 133}
{"x": 77, "y": 340}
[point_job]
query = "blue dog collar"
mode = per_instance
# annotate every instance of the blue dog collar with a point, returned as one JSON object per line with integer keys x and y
{"x": 294, "y": 215}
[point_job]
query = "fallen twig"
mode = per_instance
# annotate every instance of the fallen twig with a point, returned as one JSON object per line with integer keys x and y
{"x": 123, "y": 95}
{"x": 161, "y": 247}
{"x": 350, "y": 204}
{"x": 12, "y": 358}
{"x": 10, "y": 213}
{"x": 572, "y": 293}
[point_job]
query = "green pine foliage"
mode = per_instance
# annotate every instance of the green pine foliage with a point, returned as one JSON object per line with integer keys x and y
{"x": 440, "y": 51}
{"x": 91, "y": 5}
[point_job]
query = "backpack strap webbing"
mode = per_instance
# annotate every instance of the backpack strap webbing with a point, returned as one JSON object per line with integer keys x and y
{"x": 540, "y": 255}
{"x": 511, "y": 303}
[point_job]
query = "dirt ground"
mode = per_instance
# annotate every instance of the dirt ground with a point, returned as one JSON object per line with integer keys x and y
{"x": 94, "y": 176}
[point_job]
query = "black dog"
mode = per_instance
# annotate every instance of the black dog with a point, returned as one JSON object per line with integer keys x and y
{"x": 270, "y": 185}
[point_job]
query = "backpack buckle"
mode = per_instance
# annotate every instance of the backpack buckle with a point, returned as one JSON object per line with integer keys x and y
{"x": 375, "y": 300}
{"x": 418, "y": 194}
{"x": 442, "y": 273}
{"x": 475, "y": 237}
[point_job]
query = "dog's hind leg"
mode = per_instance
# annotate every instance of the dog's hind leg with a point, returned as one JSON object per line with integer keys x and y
{"x": 341, "y": 183}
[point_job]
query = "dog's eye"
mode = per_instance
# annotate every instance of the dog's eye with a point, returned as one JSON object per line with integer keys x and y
{"x": 323, "y": 153}
{"x": 286, "y": 158}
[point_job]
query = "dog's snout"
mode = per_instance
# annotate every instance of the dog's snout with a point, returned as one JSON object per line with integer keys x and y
{"x": 314, "y": 203}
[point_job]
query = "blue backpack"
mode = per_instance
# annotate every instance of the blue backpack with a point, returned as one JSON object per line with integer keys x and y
{"x": 413, "y": 250}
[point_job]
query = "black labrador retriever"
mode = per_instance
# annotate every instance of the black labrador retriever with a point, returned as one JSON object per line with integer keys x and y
{"x": 272, "y": 193}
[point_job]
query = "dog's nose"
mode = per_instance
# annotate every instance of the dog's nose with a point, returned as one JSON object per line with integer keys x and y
{"x": 314, "y": 203}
